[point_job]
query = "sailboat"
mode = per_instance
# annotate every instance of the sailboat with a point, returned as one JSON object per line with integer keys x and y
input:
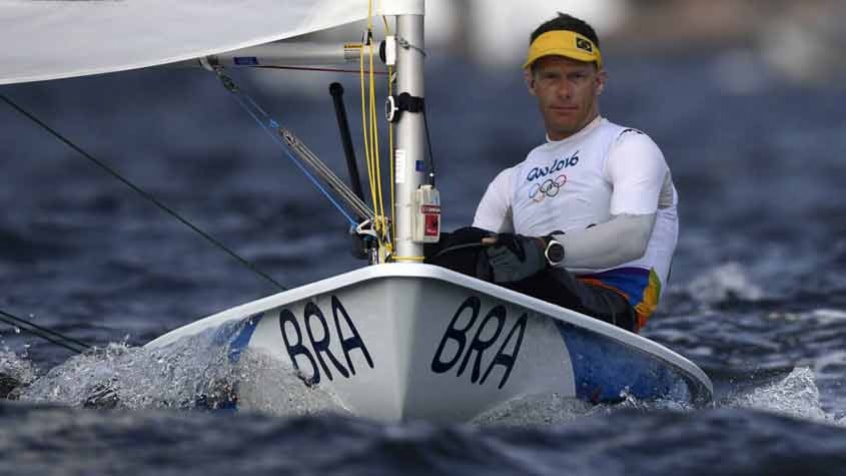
{"x": 397, "y": 339}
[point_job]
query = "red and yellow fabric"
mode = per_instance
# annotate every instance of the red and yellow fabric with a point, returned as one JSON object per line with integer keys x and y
{"x": 641, "y": 287}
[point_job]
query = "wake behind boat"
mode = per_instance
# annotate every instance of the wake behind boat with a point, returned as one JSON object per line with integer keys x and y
{"x": 398, "y": 339}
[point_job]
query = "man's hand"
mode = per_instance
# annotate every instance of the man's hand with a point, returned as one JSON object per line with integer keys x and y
{"x": 515, "y": 257}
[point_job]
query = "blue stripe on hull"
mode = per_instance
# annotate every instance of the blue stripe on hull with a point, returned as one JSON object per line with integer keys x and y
{"x": 605, "y": 371}
{"x": 236, "y": 337}
{"x": 240, "y": 342}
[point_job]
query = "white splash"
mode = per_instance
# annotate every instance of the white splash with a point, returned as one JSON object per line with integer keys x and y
{"x": 632, "y": 402}
{"x": 269, "y": 385}
{"x": 16, "y": 367}
{"x": 195, "y": 372}
{"x": 828, "y": 316}
{"x": 536, "y": 410}
{"x": 796, "y": 395}
{"x": 725, "y": 281}
{"x": 822, "y": 317}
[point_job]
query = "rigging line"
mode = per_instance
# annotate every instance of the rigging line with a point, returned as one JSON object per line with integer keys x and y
{"x": 429, "y": 147}
{"x": 328, "y": 70}
{"x": 299, "y": 165}
{"x": 146, "y": 195}
{"x": 405, "y": 44}
{"x": 374, "y": 127}
{"x": 368, "y": 154}
{"x": 333, "y": 181}
{"x": 392, "y": 166}
{"x": 271, "y": 127}
{"x": 370, "y": 129}
{"x": 46, "y": 334}
{"x": 391, "y": 157}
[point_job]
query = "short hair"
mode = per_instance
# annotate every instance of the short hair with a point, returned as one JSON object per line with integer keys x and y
{"x": 569, "y": 23}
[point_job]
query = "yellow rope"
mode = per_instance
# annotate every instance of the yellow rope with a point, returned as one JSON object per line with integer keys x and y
{"x": 367, "y": 154}
{"x": 412, "y": 259}
{"x": 370, "y": 129}
{"x": 374, "y": 137}
{"x": 374, "y": 128}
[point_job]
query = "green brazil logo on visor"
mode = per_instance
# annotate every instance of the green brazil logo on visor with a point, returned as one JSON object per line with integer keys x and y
{"x": 583, "y": 44}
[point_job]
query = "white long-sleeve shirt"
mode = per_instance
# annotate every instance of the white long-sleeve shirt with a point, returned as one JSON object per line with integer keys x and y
{"x": 609, "y": 189}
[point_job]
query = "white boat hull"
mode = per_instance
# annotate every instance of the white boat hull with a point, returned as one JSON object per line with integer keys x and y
{"x": 403, "y": 341}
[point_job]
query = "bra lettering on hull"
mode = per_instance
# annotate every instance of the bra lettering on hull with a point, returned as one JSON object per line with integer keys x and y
{"x": 477, "y": 350}
{"x": 314, "y": 346}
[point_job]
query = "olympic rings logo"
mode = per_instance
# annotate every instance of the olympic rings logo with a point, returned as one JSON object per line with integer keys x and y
{"x": 549, "y": 188}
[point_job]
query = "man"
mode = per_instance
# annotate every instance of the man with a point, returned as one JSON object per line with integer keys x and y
{"x": 588, "y": 220}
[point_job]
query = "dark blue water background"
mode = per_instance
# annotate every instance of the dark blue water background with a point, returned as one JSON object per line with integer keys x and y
{"x": 757, "y": 298}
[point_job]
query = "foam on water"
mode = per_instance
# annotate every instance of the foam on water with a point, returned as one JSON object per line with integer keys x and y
{"x": 723, "y": 282}
{"x": 198, "y": 372}
{"x": 554, "y": 409}
{"x": 535, "y": 410}
{"x": 16, "y": 366}
{"x": 14, "y": 371}
{"x": 194, "y": 372}
{"x": 796, "y": 395}
{"x": 271, "y": 386}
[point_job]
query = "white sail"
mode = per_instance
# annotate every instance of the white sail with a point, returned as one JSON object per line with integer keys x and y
{"x": 53, "y": 39}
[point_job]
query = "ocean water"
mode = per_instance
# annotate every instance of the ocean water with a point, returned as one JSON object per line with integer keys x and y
{"x": 757, "y": 297}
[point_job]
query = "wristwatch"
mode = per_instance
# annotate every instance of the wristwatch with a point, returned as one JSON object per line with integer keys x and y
{"x": 554, "y": 252}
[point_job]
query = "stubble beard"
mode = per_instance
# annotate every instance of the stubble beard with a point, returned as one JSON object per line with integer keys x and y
{"x": 565, "y": 130}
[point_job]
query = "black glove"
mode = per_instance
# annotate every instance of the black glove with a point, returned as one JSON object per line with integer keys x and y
{"x": 515, "y": 257}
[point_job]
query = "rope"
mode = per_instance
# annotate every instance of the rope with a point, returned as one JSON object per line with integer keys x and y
{"x": 52, "y": 336}
{"x": 374, "y": 128}
{"x": 271, "y": 127}
{"x": 328, "y": 70}
{"x": 368, "y": 153}
{"x": 370, "y": 129}
{"x": 429, "y": 148}
{"x": 334, "y": 182}
{"x": 146, "y": 195}
{"x": 405, "y": 44}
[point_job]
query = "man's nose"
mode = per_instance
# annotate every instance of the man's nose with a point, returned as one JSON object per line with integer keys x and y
{"x": 564, "y": 90}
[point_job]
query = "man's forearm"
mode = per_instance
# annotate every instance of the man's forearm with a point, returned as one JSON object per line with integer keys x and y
{"x": 622, "y": 239}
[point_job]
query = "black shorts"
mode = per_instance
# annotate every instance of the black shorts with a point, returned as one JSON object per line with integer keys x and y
{"x": 462, "y": 251}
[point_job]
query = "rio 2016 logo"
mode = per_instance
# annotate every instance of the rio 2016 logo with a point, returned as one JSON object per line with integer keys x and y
{"x": 549, "y": 188}
{"x": 559, "y": 164}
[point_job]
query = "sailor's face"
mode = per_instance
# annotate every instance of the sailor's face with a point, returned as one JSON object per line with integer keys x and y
{"x": 567, "y": 92}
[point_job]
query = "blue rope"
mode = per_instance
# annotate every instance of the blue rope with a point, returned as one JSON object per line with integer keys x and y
{"x": 271, "y": 127}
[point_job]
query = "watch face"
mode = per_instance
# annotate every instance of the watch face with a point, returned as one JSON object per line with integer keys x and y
{"x": 555, "y": 252}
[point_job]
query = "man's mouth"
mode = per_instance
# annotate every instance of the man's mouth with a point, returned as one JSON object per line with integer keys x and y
{"x": 564, "y": 109}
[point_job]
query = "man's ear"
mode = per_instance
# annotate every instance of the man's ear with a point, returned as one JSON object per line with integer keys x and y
{"x": 601, "y": 78}
{"x": 529, "y": 77}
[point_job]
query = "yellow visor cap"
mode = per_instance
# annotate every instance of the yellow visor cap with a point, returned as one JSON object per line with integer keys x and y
{"x": 564, "y": 43}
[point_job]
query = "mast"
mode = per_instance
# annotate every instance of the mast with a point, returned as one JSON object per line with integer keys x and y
{"x": 410, "y": 135}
